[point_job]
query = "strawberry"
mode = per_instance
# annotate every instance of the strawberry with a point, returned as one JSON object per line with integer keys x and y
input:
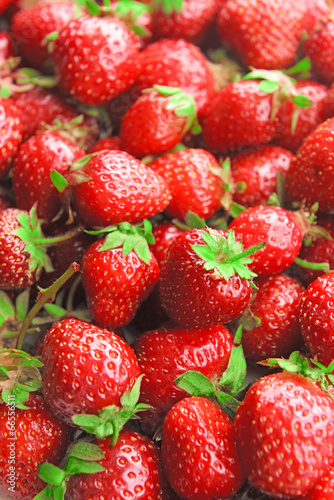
{"x": 158, "y": 121}
{"x": 318, "y": 46}
{"x": 168, "y": 351}
{"x": 316, "y": 318}
{"x": 314, "y": 11}
{"x": 106, "y": 143}
{"x": 118, "y": 272}
{"x": 30, "y": 26}
{"x": 110, "y": 187}
{"x": 324, "y": 487}
{"x": 310, "y": 178}
{"x": 85, "y": 368}
{"x": 190, "y": 20}
{"x": 198, "y": 451}
{"x": 194, "y": 180}
{"x": 275, "y": 41}
{"x": 254, "y": 174}
{"x": 284, "y": 431}
{"x": 11, "y": 136}
{"x": 163, "y": 233}
{"x": 132, "y": 468}
{"x": 138, "y": 18}
{"x": 205, "y": 279}
{"x": 7, "y": 49}
{"x": 239, "y": 116}
{"x": 95, "y": 59}
{"x": 177, "y": 63}
{"x": 34, "y": 161}
{"x": 28, "y": 437}
{"x": 281, "y": 231}
{"x": 270, "y": 323}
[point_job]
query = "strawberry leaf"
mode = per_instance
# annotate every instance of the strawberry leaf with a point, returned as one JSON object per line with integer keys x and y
{"x": 51, "y": 474}
{"x": 86, "y": 451}
{"x": 77, "y": 466}
{"x": 58, "y": 180}
{"x": 196, "y": 384}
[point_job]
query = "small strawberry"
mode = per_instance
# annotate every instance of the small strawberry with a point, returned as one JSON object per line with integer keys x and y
{"x": 158, "y": 121}
{"x": 34, "y": 161}
{"x": 199, "y": 452}
{"x": 194, "y": 180}
{"x": 118, "y": 272}
{"x": 310, "y": 178}
{"x": 11, "y": 136}
{"x": 205, "y": 279}
{"x": 110, "y": 187}
{"x": 85, "y": 368}
{"x": 95, "y": 59}
{"x": 316, "y": 318}
{"x": 167, "y": 352}
{"x": 279, "y": 228}
{"x": 318, "y": 46}
{"x": 285, "y": 430}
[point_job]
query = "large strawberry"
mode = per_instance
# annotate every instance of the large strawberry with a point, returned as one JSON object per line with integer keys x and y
{"x": 11, "y": 134}
{"x": 318, "y": 46}
{"x": 310, "y": 178}
{"x": 205, "y": 279}
{"x": 85, "y": 368}
{"x": 28, "y": 437}
{"x": 285, "y": 431}
{"x": 199, "y": 451}
{"x": 118, "y": 272}
{"x": 169, "y": 351}
{"x": 110, "y": 187}
{"x": 95, "y": 59}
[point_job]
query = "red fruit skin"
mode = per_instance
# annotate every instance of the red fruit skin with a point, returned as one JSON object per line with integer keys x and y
{"x": 95, "y": 59}
{"x": 324, "y": 489}
{"x": 284, "y": 432}
{"x": 238, "y": 117}
{"x": 106, "y": 143}
{"x": 276, "y": 304}
{"x": 167, "y": 352}
{"x": 150, "y": 128}
{"x": 115, "y": 285}
{"x": 164, "y": 234}
{"x": 15, "y": 271}
{"x": 7, "y": 49}
{"x": 308, "y": 118}
{"x": 190, "y": 295}
{"x": 177, "y": 63}
{"x": 11, "y": 134}
{"x": 198, "y": 451}
{"x": 133, "y": 469}
{"x": 257, "y": 170}
{"x": 274, "y": 43}
{"x": 310, "y": 178}
{"x": 193, "y": 182}
{"x": 37, "y": 437}
{"x": 34, "y": 161}
{"x": 318, "y": 47}
{"x": 278, "y": 228}
{"x": 30, "y": 26}
{"x": 121, "y": 189}
{"x": 316, "y": 318}
{"x": 85, "y": 368}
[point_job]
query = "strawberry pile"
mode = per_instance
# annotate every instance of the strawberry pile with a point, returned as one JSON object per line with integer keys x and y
{"x": 166, "y": 249}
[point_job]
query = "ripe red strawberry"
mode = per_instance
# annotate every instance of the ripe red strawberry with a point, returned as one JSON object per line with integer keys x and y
{"x": 158, "y": 121}
{"x": 281, "y": 231}
{"x": 7, "y": 49}
{"x": 177, "y": 63}
{"x": 198, "y": 451}
{"x": 194, "y": 180}
{"x": 11, "y": 135}
{"x": 27, "y": 438}
{"x": 118, "y": 272}
{"x": 316, "y": 318}
{"x": 21, "y": 262}
{"x": 270, "y": 323}
{"x": 95, "y": 59}
{"x": 205, "y": 279}
{"x": 239, "y": 116}
{"x": 324, "y": 489}
{"x": 35, "y": 160}
{"x": 133, "y": 468}
{"x": 30, "y": 26}
{"x": 110, "y": 187}
{"x": 284, "y": 431}
{"x": 170, "y": 350}
{"x": 310, "y": 178}
{"x": 314, "y": 11}
{"x": 275, "y": 41}
{"x": 112, "y": 142}
{"x": 318, "y": 46}
{"x": 138, "y": 18}
{"x": 254, "y": 174}
{"x": 85, "y": 368}
{"x": 163, "y": 233}
{"x": 190, "y": 21}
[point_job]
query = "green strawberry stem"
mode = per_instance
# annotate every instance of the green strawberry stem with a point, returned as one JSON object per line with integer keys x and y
{"x": 44, "y": 296}
{"x": 58, "y": 240}
{"x": 323, "y": 266}
{"x": 245, "y": 253}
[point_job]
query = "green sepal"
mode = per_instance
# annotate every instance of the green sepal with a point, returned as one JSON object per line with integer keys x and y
{"x": 84, "y": 450}
{"x": 323, "y": 266}
{"x": 46, "y": 494}
{"x": 196, "y": 384}
{"x": 77, "y": 466}
{"x": 51, "y": 474}
{"x": 236, "y": 209}
{"x": 58, "y": 180}
{"x": 302, "y": 68}
{"x": 5, "y": 91}
{"x": 92, "y": 7}
{"x": 234, "y": 376}
{"x": 268, "y": 87}
{"x": 55, "y": 311}
{"x": 22, "y": 305}
{"x": 6, "y": 307}
{"x": 228, "y": 403}
{"x": 168, "y": 6}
